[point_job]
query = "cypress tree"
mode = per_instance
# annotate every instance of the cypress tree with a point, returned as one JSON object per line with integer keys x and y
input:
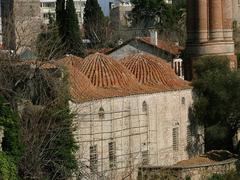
{"x": 94, "y": 22}
{"x": 60, "y": 16}
{"x": 68, "y": 27}
{"x": 72, "y": 36}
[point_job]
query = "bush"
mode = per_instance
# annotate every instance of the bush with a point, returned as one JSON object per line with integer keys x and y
{"x": 8, "y": 169}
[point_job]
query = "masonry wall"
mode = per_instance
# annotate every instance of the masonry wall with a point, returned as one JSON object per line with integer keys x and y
{"x": 27, "y": 23}
{"x": 142, "y": 136}
{"x": 196, "y": 172}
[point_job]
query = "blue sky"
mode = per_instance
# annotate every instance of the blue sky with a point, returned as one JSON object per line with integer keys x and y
{"x": 104, "y": 4}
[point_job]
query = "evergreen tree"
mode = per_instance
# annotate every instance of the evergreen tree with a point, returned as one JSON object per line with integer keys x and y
{"x": 68, "y": 27}
{"x": 60, "y": 15}
{"x": 94, "y": 22}
{"x": 72, "y": 37}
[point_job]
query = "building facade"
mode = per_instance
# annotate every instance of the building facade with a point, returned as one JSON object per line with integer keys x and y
{"x": 48, "y": 7}
{"x": 129, "y": 114}
{"x": 119, "y": 13}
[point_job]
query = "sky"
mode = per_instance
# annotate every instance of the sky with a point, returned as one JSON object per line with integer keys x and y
{"x": 104, "y": 4}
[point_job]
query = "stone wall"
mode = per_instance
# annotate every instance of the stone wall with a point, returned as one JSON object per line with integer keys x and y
{"x": 194, "y": 172}
{"x": 141, "y": 126}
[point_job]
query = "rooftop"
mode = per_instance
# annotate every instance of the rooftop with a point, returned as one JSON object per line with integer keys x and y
{"x": 99, "y": 76}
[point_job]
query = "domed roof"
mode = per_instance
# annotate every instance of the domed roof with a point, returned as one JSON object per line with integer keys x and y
{"x": 81, "y": 88}
{"x": 153, "y": 71}
{"x": 70, "y": 60}
{"x": 105, "y": 72}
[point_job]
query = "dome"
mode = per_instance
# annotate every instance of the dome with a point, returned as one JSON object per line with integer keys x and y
{"x": 105, "y": 72}
{"x": 70, "y": 60}
{"x": 153, "y": 71}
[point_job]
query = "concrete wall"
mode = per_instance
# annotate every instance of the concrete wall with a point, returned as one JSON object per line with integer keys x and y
{"x": 196, "y": 172}
{"x": 135, "y": 47}
{"x": 140, "y": 134}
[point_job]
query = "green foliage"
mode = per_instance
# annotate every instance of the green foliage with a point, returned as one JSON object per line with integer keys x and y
{"x": 228, "y": 176}
{"x": 63, "y": 36}
{"x": 71, "y": 35}
{"x": 218, "y": 98}
{"x": 63, "y": 146}
{"x": 94, "y": 22}
{"x": 149, "y": 13}
{"x": 8, "y": 169}
{"x": 168, "y": 19}
{"x": 49, "y": 42}
{"x": 11, "y": 144}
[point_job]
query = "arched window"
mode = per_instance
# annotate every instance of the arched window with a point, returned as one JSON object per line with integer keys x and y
{"x": 144, "y": 106}
{"x": 183, "y": 100}
{"x": 101, "y": 113}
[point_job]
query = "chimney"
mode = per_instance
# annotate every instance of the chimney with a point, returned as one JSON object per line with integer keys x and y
{"x": 154, "y": 36}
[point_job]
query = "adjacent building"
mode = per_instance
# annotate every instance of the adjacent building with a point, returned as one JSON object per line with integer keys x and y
{"x": 47, "y": 7}
{"x": 168, "y": 51}
{"x": 129, "y": 113}
{"x": 119, "y": 13}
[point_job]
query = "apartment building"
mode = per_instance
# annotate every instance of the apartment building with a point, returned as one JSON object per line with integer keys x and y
{"x": 47, "y": 7}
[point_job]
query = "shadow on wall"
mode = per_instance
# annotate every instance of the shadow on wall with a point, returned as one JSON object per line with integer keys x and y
{"x": 195, "y": 136}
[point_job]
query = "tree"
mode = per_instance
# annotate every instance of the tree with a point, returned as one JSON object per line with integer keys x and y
{"x": 49, "y": 44}
{"x": 170, "y": 20}
{"x": 68, "y": 27}
{"x": 217, "y": 104}
{"x": 94, "y": 22}
{"x": 72, "y": 37}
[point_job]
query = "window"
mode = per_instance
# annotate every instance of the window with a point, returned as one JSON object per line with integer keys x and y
{"x": 144, "y": 106}
{"x": 93, "y": 158}
{"x": 175, "y": 135}
{"x": 183, "y": 100}
{"x": 112, "y": 154}
{"x": 145, "y": 157}
{"x": 101, "y": 113}
{"x": 189, "y": 135}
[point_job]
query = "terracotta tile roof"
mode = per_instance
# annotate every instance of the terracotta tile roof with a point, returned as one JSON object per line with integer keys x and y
{"x": 105, "y": 72}
{"x": 39, "y": 64}
{"x": 102, "y": 50}
{"x": 169, "y": 47}
{"x": 153, "y": 71}
{"x": 164, "y": 45}
{"x": 99, "y": 76}
{"x": 69, "y": 60}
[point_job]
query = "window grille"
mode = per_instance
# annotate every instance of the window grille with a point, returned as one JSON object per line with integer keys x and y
{"x": 189, "y": 135}
{"x": 112, "y": 154}
{"x": 175, "y": 135}
{"x": 101, "y": 113}
{"x": 145, "y": 157}
{"x": 183, "y": 100}
{"x": 144, "y": 106}
{"x": 93, "y": 158}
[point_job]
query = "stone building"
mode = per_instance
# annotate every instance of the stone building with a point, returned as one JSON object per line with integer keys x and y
{"x": 27, "y": 23}
{"x": 119, "y": 14}
{"x": 129, "y": 114}
{"x": 209, "y": 28}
